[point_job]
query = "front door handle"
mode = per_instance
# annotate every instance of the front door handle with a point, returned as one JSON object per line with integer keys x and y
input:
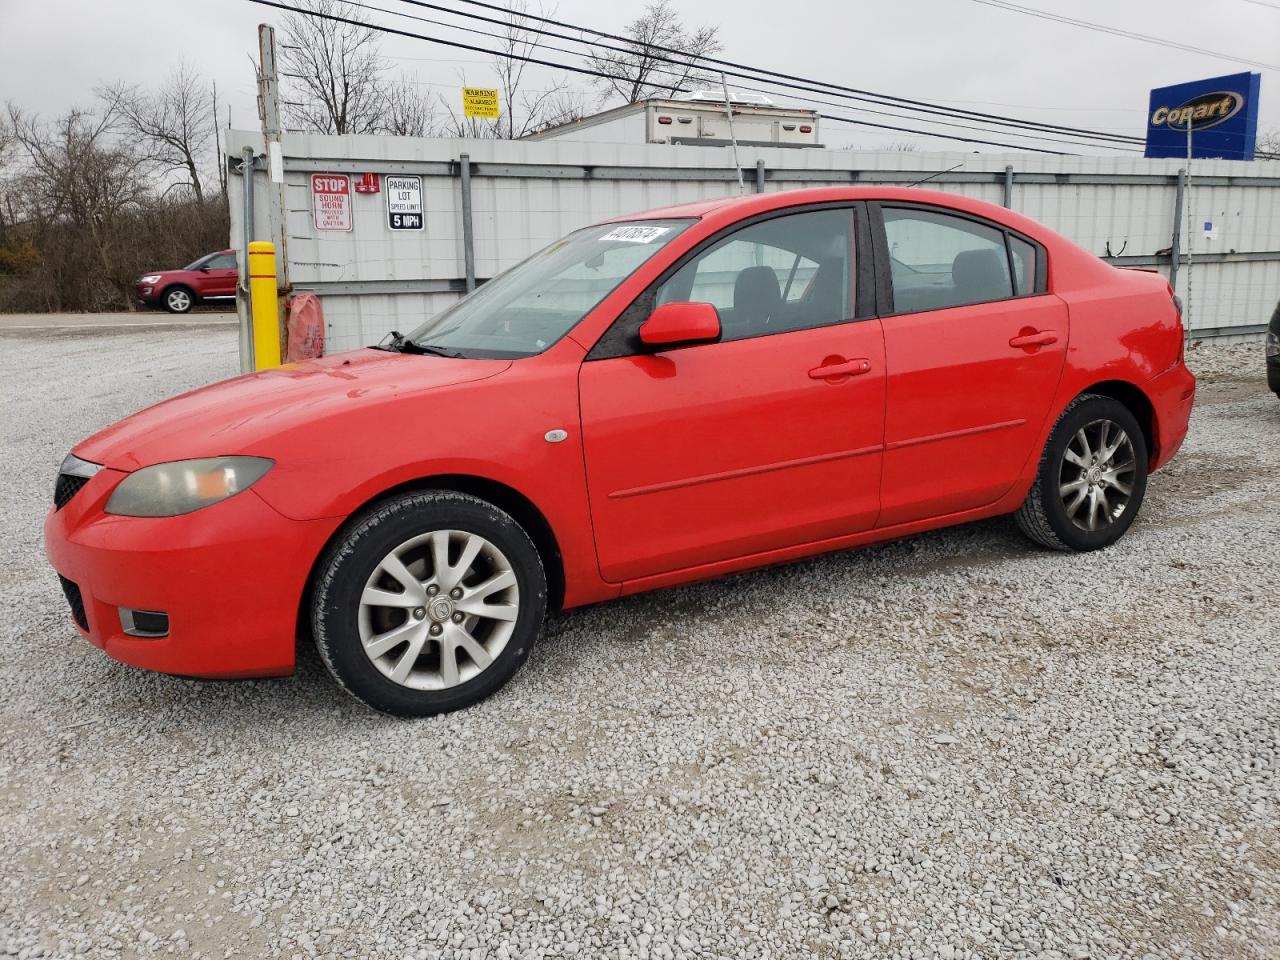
{"x": 1037, "y": 338}
{"x": 834, "y": 367}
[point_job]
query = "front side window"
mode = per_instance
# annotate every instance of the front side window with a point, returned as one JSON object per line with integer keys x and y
{"x": 222, "y": 261}
{"x": 937, "y": 260}
{"x": 787, "y": 273}
{"x": 525, "y": 310}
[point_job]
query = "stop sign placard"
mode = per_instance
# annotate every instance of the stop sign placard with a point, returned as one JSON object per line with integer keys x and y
{"x": 331, "y": 201}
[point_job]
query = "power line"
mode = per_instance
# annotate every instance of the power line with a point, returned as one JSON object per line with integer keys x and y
{"x": 590, "y": 72}
{"x": 683, "y": 58}
{"x": 811, "y": 100}
{"x": 1127, "y": 34}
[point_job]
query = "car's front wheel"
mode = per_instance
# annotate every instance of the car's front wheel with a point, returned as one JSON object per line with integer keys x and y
{"x": 179, "y": 300}
{"x": 428, "y": 602}
{"x": 1091, "y": 480}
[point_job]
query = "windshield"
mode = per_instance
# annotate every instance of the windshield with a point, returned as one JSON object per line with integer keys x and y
{"x": 529, "y": 307}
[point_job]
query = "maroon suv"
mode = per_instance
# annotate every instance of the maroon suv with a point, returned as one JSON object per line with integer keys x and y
{"x": 211, "y": 278}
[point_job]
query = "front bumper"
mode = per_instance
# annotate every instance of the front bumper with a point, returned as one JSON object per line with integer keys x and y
{"x": 148, "y": 293}
{"x": 230, "y": 577}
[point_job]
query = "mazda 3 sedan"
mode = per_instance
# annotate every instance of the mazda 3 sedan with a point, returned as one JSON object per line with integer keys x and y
{"x": 655, "y": 400}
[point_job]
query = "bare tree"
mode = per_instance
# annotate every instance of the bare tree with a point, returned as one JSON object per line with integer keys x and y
{"x": 334, "y": 70}
{"x": 1268, "y": 145}
{"x": 639, "y": 73}
{"x": 8, "y": 141}
{"x": 173, "y": 126}
{"x": 525, "y": 109}
{"x": 407, "y": 112}
{"x": 81, "y": 182}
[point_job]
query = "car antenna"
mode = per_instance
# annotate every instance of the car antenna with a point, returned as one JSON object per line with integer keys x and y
{"x": 938, "y": 174}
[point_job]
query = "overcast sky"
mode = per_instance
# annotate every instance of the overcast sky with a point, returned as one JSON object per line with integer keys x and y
{"x": 54, "y": 52}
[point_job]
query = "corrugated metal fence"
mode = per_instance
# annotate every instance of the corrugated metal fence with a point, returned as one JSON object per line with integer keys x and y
{"x": 525, "y": 195}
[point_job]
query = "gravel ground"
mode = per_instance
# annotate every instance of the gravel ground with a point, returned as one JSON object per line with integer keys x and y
{"x": 954, "y": 746}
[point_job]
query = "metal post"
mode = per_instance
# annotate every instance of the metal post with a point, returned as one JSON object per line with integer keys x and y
{"x": 728, "y": 109}
{"x": 759, "y": 176}
{"x": 1186, "y": 306}
{"x": 262, "y": 299}
{"x": 1008, "y": 186}
{"x": 246, "y": 327}
{"x": 468, "y": 233}
{"x": 1175, "y": 249}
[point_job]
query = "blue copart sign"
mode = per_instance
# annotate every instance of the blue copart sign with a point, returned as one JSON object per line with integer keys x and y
{"x": 1222, "y": 113}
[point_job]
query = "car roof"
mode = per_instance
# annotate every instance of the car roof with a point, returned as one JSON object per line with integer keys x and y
{"x": 723, "y": 211}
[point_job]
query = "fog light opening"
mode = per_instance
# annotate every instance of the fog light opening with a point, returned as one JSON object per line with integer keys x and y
{"x": 144, "y": 623}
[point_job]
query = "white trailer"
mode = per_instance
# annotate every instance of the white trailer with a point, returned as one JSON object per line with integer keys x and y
{"x": 699, "y": 119}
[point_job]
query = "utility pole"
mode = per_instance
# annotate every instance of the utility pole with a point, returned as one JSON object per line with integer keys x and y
{"x": 272, "y": 134}
{"x": 217, "y": 144}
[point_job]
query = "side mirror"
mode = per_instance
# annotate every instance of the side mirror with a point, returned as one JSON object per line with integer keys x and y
{"x": 676, "y": 324}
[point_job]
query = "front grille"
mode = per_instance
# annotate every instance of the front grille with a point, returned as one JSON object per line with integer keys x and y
{"x": 77, "y": 602}
{"x": 66, "y": 488}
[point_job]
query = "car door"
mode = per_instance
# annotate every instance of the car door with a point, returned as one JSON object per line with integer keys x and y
{"x": 770, "y": 437}
{"x": 974, "y": 347}
{"x": 221, "y": 275}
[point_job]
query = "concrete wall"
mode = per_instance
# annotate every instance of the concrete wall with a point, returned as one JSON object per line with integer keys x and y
{"x": 527, "y": 194}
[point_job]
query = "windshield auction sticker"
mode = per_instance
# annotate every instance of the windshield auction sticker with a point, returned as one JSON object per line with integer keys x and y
{"x": 404, "y": 202}
{"x": 634, "y": 234}
{"x": 331, "y": 201}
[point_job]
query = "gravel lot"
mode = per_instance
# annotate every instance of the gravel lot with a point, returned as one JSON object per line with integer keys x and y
{"x": 954, "y": 746}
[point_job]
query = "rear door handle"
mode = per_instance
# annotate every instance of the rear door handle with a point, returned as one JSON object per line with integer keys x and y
{"x": 840, "y": 368}
{"x": 1041, "y": 338}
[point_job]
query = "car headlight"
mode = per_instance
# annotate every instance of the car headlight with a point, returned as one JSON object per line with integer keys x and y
{"x": 150, "y": 278}
{"x": 1273, "y": 344}
{"x": 171, "y": 489}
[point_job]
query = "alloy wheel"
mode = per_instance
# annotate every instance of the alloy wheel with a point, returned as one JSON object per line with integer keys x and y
{"x": 1097, "y": 476}
{"x": 438, "y": 609}
{"x": 179, "y": 301}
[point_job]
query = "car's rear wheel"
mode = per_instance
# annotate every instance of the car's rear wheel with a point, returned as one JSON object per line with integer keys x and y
{"x": 1091, "y": 480}
{"x": 428, "y": 602}
{"x": 179, "y": 300}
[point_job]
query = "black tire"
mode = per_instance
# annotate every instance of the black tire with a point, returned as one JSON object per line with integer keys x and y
{"x": 1044, "y": 515}
{"x": 358, "y": 550}
{"x": 173, "y": 299}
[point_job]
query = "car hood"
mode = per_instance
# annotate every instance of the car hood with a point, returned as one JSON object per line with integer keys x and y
{"x": 243, "y": 414}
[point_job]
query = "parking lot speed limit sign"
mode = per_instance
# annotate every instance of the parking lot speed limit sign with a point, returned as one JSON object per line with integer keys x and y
{"x": 404, "y": 202}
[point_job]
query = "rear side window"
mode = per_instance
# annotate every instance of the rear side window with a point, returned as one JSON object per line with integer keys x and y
{"x": 1023, "y": 255}
{"x": 937, "y": 260}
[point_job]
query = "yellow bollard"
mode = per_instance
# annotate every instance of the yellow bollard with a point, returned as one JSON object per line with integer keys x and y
{"x": 262, "y": 305}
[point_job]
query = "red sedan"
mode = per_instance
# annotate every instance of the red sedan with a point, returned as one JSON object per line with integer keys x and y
{"x": 650, "y": 401}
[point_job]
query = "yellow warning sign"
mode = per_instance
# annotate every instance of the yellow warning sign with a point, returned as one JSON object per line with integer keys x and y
{"x": 480, "y": 102}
